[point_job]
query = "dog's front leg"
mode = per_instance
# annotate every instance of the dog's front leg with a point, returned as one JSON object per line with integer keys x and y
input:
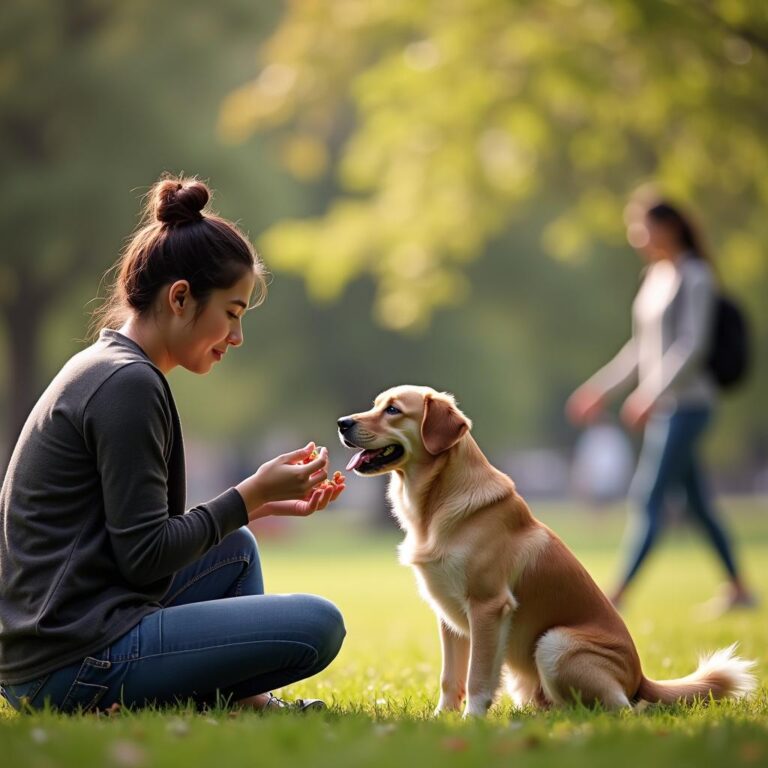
{"x": 453, "y": 678}
{"x": 489, "y": 623}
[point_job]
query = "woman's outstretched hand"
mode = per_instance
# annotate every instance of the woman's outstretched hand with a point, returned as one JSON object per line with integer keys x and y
{"x": 636, "y": 410}
{"x": 584, "y": 405}
{"x": 290, "y": 484}
{"x": 319, "y": 498}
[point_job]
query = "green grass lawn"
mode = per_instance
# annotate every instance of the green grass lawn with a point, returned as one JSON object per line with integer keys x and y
{"x": 383, "y": 686}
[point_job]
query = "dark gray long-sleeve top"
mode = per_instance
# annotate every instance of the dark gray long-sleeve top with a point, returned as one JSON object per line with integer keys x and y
{"x": 92, "y": 521}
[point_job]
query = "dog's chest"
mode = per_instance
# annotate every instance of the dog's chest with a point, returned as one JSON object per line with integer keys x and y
{"x": 443, "y": 583}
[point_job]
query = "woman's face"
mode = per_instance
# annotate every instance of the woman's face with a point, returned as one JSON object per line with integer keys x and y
{"x": 654, "y": 240}
{"x": 205, "y": 340}
{"x": 663, "y": 239}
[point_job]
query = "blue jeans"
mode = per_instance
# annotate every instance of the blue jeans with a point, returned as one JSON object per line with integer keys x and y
{"x": 669, "y": 463}
{"x": 217, "y": 638}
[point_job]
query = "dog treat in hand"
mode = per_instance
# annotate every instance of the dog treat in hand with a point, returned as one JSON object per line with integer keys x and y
{"x": 337, "y": 480}
{"x": 334, "y": 482}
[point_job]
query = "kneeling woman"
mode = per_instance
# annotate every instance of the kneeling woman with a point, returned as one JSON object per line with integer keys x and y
{"x": 109, "y": 591}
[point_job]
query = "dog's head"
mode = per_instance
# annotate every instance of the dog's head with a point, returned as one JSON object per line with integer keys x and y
{"x": 406, "y": 423}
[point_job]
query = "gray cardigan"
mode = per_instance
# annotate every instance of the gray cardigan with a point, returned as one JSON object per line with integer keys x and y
{"x": 671, "y": 326}
{"x": 92, "y": 522}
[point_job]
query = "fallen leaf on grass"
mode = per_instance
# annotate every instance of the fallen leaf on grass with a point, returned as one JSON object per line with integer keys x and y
{"x": 127, "y": 754}
{"x": 750, "y": 752}
{"x": 177, "y": 728}
{"x": 454, "y": 744}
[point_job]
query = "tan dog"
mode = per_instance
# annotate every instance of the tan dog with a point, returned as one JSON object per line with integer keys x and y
{"x": 507, "y": 591}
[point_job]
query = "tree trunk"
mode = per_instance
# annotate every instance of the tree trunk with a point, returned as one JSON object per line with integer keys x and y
{"x": 23, "y": 318}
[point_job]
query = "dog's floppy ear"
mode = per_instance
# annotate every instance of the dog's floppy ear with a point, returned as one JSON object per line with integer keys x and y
{"x": 442, "y": 426}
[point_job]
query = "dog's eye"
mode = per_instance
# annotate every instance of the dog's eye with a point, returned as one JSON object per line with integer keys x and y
{"x": 391, "y": 410}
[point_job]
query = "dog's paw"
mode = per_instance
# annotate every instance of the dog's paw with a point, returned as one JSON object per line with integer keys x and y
{"x": 477, "y": 706}
{"x": 449, "y": 704}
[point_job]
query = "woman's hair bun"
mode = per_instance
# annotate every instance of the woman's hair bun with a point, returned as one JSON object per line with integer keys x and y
{"x": 178, "y": 201}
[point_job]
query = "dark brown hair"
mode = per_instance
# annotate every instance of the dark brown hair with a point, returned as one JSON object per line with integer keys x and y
{"x": 177, "y": 240}
{"x": 665, "y": 213}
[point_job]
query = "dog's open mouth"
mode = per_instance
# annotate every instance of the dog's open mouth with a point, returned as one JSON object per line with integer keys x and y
{"x": 369, "y": 460}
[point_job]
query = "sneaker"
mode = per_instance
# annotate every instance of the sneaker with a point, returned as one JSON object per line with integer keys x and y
{"x": 726, "y": 602}
{"x": 298, "y": 705}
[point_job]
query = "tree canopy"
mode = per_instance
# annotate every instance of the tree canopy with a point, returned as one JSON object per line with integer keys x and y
{"x": 440, "y": 125}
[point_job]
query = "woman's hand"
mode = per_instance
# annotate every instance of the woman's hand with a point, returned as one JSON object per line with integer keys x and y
{"x": 584, "y": 405}
{"x": 284, "y": 478}
{"x": 636, "y": 410}
{"x": 318, "y": 498}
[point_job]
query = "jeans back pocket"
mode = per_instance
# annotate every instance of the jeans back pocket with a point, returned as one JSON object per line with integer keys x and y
{"x": 88, "y": 688}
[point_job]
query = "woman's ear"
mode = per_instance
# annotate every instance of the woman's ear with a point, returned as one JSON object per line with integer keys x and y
{"x": 178, "y": 296}
{"x": 443, "y": 425}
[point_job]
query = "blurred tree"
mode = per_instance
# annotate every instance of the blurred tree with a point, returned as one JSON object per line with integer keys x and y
{"x": 445, "y": 123}
{"x": 97, "y": 99}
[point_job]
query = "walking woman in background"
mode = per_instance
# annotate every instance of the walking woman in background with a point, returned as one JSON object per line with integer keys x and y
{"x": 674, "y": 396}
{"x": 109, "y": 591}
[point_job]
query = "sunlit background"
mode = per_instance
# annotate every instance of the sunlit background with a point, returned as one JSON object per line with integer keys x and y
{"x": 438, "y": 189}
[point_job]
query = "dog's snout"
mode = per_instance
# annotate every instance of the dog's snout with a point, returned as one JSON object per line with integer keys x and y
{"x": 345, "y": 424}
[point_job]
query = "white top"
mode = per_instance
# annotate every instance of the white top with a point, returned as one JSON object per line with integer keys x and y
{"x": 671, "y": 328}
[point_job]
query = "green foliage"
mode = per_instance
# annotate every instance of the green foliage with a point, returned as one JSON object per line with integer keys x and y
{"x": 93, "y": 110}
{"x": 445, "y": 124}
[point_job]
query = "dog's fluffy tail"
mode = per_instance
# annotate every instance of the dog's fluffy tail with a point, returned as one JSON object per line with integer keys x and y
{"x": 722, "y": 675}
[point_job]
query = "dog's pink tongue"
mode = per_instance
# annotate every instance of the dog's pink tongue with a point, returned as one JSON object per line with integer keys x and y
{"x": 356, "y": 460}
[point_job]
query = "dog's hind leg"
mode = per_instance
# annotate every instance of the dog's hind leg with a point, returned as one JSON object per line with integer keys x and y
{"x": 572, "y": 669}
{"x": 524, "y": 691}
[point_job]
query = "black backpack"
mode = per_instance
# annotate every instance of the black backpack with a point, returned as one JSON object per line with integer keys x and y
{"x": 729, "y": 358}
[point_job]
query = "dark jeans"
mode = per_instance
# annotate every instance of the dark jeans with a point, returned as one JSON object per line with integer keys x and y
{"x": 218, "y": 635}
{"x": 669, "y": 463}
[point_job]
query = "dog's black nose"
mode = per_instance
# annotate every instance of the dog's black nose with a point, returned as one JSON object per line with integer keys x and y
{"x": 345, "y": 424}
